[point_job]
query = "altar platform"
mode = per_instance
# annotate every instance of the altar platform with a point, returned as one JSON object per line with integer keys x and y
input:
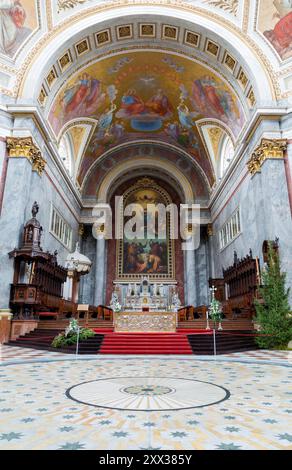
{"x": 145, "y": 321}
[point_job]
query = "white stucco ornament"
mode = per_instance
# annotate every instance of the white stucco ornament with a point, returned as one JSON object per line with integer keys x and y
{"x": 78, "y": 262}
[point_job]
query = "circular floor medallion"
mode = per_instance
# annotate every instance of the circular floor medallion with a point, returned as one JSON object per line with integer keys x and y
{"x": 147, "y": 393}
{"x": 147, "y": 390}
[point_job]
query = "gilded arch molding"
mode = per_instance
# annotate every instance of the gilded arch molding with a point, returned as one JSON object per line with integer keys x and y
{"x": 127, "y": 166}
{"x": 181, "y": 11}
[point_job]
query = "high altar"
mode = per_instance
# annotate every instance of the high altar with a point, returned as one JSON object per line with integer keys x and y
{"x": 145, "y": 294}
{"x": 145, "y": 307}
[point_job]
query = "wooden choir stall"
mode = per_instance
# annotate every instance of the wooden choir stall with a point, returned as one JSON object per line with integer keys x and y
{"x": 237, "y": 289}
{"x": 38, "y": 279}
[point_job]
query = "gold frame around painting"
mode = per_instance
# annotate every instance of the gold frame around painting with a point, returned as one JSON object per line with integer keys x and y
{"x": 146, "y": 183}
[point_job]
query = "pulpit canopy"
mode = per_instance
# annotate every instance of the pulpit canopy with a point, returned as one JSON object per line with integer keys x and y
{"x": 78, "y": 262}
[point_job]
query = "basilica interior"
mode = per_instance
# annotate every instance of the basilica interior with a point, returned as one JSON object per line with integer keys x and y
{"x": 172, "y": 102}
{"x": 145, "y": 200}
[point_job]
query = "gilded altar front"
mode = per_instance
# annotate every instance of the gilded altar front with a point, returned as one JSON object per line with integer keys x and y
{"x": 145, "y": 322}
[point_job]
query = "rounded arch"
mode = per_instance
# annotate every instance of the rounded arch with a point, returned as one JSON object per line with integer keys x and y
{"x": 65, "y": 33}
{"x": 76, "y": 122}
{"x": 118, "y": 171}
{"x": 185, "y": 163}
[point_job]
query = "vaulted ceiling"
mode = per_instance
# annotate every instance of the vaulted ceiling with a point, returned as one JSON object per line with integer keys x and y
{"x": 142, "y": 95}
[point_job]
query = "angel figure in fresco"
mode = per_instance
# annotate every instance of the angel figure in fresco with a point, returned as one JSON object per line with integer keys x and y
{"x": 281, "y": 35}
{"x": 159, "y": 104}
{"x": 106, "y": 118}
{"x": 212, "y": 100}
{"x": 12, "y": 29}
{"x": 172, "y": 130}
{"x": 82, "y": 97}
{"x": 206, "y": 98}
{"x": 186, "y": 117}
{"x": 212, "y": 94}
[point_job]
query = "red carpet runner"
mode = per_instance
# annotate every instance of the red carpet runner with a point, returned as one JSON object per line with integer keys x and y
{"x": 146, "y": 343}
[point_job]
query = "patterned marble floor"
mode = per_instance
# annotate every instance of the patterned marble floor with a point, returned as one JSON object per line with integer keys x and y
{"x": 36, "y": 413}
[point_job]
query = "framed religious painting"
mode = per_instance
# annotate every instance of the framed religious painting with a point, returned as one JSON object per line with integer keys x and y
{"x": 150, "y": 251}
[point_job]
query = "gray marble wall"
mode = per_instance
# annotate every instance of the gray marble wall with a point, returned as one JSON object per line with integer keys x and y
{"x": 87, "y": 283}
{"x": 24, "y": 186}
{"x": 265, "y": 214}
{"x": 202, "y": 273}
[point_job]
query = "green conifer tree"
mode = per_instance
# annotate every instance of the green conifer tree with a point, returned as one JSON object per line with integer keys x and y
{"x": 273, "y": 313}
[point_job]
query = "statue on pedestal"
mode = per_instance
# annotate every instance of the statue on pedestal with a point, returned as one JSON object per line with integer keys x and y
{"x": 176, "y": 303}
{"x": 34, "y": 210}
{"x": 115, "y": 304}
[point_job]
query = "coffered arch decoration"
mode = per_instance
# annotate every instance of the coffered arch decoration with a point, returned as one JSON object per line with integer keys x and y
{"x": 194, "y": 25}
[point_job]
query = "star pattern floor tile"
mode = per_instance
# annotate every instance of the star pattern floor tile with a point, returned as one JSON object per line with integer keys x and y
{"x": 36, "y": 413}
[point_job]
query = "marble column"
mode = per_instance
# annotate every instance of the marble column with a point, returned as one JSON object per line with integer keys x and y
{"x": 202, "y": 276}
{"x": 15, "y": 200}
{"x": 190, "y": 277}
{"x": 99, "y": 291}
{"x": 277, "y": 214}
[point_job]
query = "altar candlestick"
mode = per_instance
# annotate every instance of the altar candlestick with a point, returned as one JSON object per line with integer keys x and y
{"x": 207, "y": 318}
{"x": 258, "y": 271}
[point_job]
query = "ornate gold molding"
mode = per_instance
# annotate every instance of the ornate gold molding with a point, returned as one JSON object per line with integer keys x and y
{"x": 268, "y": 148}
{"x": 81, "y": 230}
{"x": 24, "y": 147}
{"x": 210, "y": 232}
{"x": 22, "y": 73}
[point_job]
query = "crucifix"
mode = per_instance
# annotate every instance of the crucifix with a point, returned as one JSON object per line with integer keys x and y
{"x": 213, "y": 289}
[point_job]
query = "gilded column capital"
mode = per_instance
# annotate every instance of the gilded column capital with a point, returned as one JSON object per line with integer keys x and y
{"x": 268, "y": 149}
{"x": 81, "y": 230}
{"x": 24, "y": 147}
{"x": 210, "y": 232}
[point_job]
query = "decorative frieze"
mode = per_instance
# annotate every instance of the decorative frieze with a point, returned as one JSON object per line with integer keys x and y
{"x": 145, "y": 321}
{"x": 268, "y": 148}
{"x": 24, "y": 147}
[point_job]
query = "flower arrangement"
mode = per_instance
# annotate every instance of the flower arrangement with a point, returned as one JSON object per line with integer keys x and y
{"x": 70, "y": 336}
{"x": 215, "y": 310}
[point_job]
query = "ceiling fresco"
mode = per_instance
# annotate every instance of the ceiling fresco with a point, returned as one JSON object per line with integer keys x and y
{"x": 275, "y": 23}
{"x": 130, "y": 153}
{"x": 18, "y": 19}
{"x": 146, "y": 95}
